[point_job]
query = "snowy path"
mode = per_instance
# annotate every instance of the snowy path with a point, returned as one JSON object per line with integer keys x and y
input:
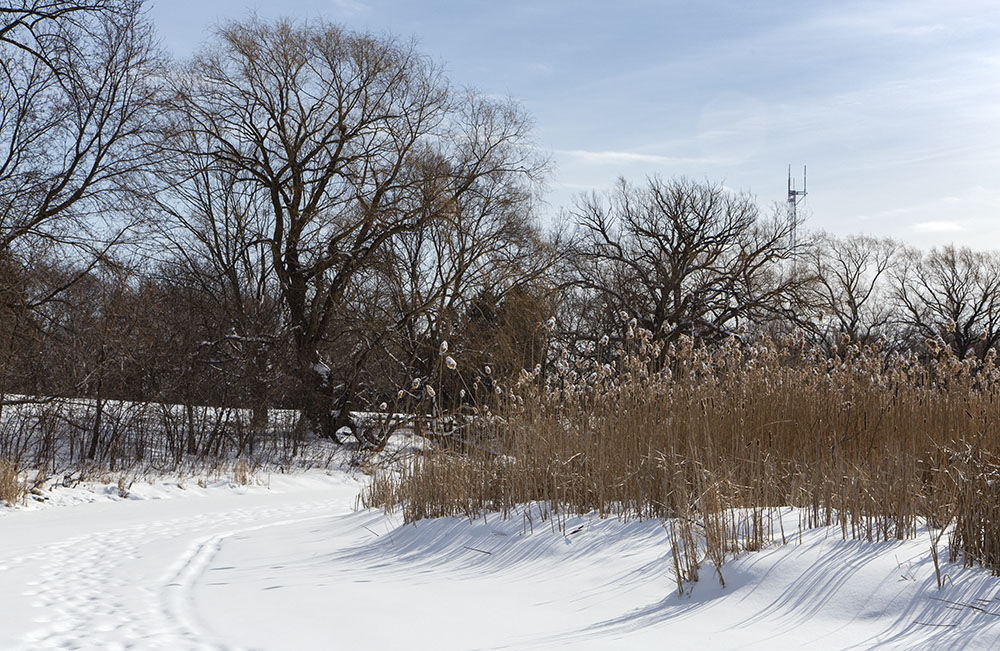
{"x": 113, "y": 575}
{"x": 296, "y": 567}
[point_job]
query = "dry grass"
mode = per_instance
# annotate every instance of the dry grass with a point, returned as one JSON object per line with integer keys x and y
{"x": 717, "y": 438}
{"x": 241, "y": 472}
{"x": 12, "y": 490}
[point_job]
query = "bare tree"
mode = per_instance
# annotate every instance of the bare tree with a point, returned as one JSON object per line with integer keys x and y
{"x": 850, "y": 287}
{"x": 682, "y": 257}
{"x": 352, "y": 141}
{"x": 26, "y": 24}
{"x": 77, "y": 114}
{"x": 489, "y": 244}
{"x": 216, "y": 245}
{"x": 951, "y": 294}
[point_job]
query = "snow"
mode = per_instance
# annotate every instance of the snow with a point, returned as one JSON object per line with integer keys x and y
{"x": 294, "y": 564}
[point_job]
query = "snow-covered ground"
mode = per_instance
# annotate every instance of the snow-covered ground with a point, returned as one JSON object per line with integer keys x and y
{"x": 295, "y": 566}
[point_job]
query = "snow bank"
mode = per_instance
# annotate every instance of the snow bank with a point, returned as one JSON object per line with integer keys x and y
{"x": 290, "y": 563}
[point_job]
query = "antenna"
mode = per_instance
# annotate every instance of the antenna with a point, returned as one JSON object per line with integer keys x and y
{"x": 794, "y": 198}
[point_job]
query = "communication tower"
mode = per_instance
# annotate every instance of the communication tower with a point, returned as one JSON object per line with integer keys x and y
{"x": 794, "y": 198}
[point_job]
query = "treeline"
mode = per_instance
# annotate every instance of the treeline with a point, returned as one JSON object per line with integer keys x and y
{"x": 309, "y": 218}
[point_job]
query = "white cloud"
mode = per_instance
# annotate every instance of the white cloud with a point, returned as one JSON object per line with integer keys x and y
{"x": 625, "y": 158}
{"x": 349, "y": 7}
{"x": 938, "y": 227}
{"x": 575, "y": 187}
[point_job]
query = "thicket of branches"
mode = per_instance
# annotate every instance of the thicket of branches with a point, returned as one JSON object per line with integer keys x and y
{"x": 307, "y": 218}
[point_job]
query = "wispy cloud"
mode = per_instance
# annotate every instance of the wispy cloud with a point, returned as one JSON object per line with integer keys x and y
{"x": 937, "y": 227}
{"x": 541, "y": 68}
{"x": 576, "y": 187}
{"x": 349, "y": 7}
{"x": 626, "y": 158}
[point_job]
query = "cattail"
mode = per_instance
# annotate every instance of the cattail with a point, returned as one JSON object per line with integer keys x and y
{"x": 382, "y": 406}
{"x": 430, "y": 391}
{"x": 416, "y": 384}
{"x": 443, "y": 348}
{"x": 488, "y": 370}
{"x": 450, "y": 362}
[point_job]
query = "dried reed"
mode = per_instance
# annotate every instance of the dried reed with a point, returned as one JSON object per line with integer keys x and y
{"x": 873, "y": 442}
{"x": 12, "y": 490}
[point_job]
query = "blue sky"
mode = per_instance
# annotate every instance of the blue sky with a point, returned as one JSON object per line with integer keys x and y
{"x": 894, "y": 106}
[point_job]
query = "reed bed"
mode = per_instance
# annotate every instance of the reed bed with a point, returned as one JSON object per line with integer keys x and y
{"x": 715, "y": 439}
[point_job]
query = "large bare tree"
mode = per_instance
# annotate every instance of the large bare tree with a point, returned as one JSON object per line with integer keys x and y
{"x": 350, "y": 141}
{"x": 682, "y": 257}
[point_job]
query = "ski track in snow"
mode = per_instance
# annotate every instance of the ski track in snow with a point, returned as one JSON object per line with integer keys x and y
{"x": 181, "y": 579}
{"x": 85, "y": 595}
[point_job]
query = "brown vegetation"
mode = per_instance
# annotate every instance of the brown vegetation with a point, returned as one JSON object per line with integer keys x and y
{"x": 716, "y": 438}
{"x": 11, "y": 488}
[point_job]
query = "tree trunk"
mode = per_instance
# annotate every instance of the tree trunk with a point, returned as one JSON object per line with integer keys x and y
{"x": 317, "y": 393}
{"x": 95, "y": 434}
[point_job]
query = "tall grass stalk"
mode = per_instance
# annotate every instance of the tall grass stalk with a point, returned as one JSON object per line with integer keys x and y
{"x": 12, "y": 490}
{"x": 872, "y": 442}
